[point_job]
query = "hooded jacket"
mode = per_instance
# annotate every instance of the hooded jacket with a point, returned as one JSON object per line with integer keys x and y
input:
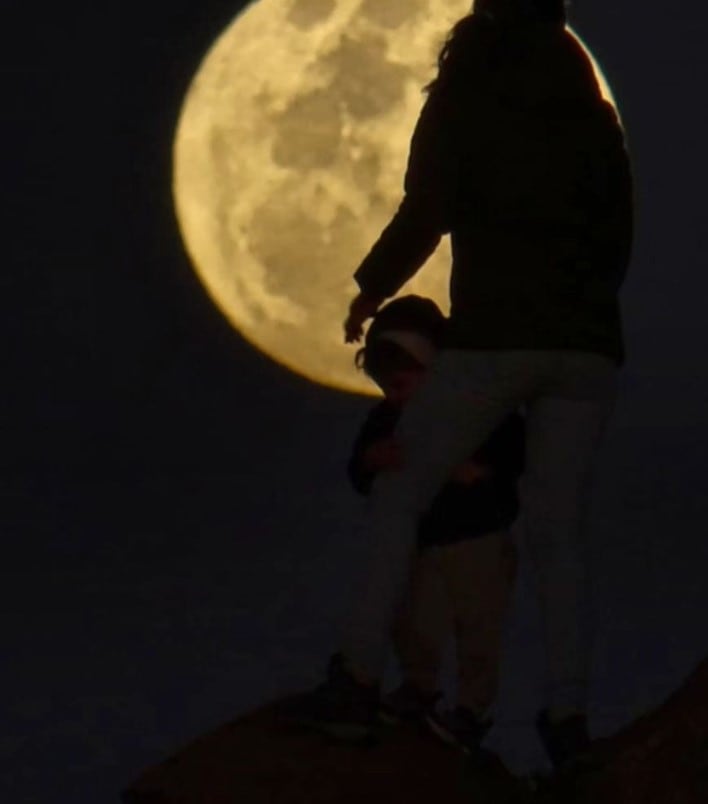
{"x": 518, "y": 158}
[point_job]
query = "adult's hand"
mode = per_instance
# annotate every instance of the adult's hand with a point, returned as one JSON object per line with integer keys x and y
{"x": 361, "y": 308}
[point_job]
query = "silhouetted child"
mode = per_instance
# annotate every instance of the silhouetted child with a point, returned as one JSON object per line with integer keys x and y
{"x": 464, "y": 571}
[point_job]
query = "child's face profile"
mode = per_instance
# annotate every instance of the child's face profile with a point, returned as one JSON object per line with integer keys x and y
{"x": 399, "y": 385}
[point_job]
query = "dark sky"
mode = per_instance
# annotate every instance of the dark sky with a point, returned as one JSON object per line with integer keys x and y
{"x": 137, "y": 424}
{"x": 101, "y": 299}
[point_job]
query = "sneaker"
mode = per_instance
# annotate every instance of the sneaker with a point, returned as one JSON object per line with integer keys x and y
{"x": 341, "y": 707}
{"x": 459, "y": 727}
{"x": 407, "y": 703}
{"x": 567, "y": 741}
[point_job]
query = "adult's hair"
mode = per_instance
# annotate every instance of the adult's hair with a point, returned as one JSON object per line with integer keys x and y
{"x": 478, "y": 32}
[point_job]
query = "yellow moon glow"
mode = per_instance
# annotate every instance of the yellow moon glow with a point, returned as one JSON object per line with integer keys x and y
{"x": 289, "y": 159}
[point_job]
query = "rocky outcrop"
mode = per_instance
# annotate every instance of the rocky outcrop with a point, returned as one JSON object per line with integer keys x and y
{"x": 661, "y": 758}
{"x": 261, "y": 759}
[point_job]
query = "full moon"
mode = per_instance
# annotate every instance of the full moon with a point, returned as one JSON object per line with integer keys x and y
{"x": 289, "y": 159}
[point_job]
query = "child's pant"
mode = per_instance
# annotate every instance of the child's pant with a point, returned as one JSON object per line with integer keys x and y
{"x": 462, "y": 589}
{"x": 568, "y": 397}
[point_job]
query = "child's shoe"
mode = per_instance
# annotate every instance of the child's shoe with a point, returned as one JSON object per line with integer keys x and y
{"x": 566, "y": 741}
{"x": 459, "y": 727}
{"x": 341, "y": 707}
{"x": 407, "y": 703}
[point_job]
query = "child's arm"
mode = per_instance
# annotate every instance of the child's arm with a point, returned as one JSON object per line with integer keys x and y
{"x": 374, "y": 449}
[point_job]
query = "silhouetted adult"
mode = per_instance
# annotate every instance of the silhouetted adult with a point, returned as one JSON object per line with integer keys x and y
{"x": 519, "y": 159}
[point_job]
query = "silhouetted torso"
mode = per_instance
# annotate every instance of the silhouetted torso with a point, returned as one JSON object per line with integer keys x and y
{"x": 524, "y": 164}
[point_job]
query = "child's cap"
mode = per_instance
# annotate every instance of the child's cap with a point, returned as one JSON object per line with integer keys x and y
{"x": 414, "y": 324}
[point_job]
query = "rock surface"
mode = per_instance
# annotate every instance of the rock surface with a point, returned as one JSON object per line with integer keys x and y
{"x": 261, "y": 759}
{"x": 661, "y": 758}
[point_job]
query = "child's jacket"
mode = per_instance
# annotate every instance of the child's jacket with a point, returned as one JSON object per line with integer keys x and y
{"x": 459, "y": 511}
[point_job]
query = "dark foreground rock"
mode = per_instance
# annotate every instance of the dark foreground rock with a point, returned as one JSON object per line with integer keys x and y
{"x": 261, "y": 759}
{"x": 661, "y": 758}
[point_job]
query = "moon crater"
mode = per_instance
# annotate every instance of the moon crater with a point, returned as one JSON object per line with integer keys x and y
{"x": 307, "y": 14}
{"x": 308, "y": 133}
{"x": 365, "y": 81}
{"x": 391, "y": 14}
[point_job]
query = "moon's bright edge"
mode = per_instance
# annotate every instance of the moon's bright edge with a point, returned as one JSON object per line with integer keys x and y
{"x": 289, "y": 159}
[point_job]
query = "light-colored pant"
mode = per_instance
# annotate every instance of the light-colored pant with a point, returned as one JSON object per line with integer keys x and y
{"x": 568, "y": 397}
{"x": 462, "y": 589}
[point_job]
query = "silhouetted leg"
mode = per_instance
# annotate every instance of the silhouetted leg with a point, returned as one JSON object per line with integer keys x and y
{"x": 465, "y": 396}
{"x": 423, "y": 624}
{"x": 479, "y": 575}
{"x": 564, "y": 429}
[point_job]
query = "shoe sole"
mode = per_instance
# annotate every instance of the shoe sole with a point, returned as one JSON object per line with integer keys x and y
{"x": 446, "y": 736}
{"x": 388, "y": 718}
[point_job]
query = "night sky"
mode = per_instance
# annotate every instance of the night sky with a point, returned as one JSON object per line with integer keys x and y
{"x": 179, "y": 536}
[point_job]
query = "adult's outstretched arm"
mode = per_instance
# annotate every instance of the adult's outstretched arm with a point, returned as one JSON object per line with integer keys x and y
{"x": 416, "y": 229}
